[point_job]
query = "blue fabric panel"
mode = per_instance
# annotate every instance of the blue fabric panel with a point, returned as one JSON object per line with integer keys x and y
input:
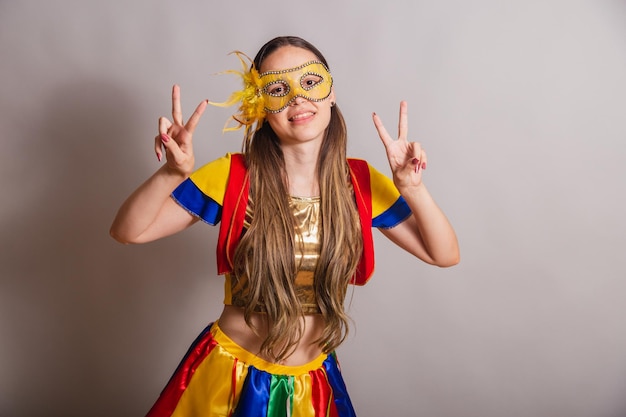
{"x": 340, "y": 393}
{"x": 189, "y": 196}
{"x": 394, "y": 215}
{"x": 255, "y": 394}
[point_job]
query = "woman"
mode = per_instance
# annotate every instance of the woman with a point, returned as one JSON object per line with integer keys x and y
{"x": 296, "y": 218}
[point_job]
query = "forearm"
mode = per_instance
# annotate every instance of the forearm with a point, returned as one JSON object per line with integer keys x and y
{"x": 143, "y": 206}
{"x": 431, "y": 225}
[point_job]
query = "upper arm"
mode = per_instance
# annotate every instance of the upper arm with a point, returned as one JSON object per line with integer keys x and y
{"x": 198, "y": 197}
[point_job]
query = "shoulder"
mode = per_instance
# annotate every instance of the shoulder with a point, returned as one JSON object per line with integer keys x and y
{"x": 203, "y": 193}
{"x": 217, "y": 166}
{"x": 358, "y": 163}
{"x": 388, "y": 206}
{"x": 212, "y": 177}
{"x": 380, "y": 184}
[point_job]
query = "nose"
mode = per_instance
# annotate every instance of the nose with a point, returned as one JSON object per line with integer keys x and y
{"x": 297, "y": 100}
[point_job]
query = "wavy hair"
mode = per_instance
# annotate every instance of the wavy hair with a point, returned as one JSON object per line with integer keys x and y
{"x": 266, "y": 252}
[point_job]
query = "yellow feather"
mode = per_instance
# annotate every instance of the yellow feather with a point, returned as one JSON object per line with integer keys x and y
{"x": 252, "y": 107}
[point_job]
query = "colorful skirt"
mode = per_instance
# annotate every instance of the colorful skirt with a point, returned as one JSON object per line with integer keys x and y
{"x": 219, "y": 378}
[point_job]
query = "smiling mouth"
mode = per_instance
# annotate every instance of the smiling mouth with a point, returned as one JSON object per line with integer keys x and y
{"x": 301, "y": 116}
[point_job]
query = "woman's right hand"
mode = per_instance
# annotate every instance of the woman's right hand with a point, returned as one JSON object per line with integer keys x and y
{"x": 175, "y": 136}
{"x": 149, "y": 213}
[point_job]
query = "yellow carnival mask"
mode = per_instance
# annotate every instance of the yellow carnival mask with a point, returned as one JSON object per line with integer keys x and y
{"x": 273, "y": 91}
{"x": 311, "y": 81}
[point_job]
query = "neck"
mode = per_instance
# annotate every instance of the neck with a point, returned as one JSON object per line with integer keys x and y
{"x": 301, "y": 167}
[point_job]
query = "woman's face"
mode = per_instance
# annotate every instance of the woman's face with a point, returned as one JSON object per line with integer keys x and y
{"x": 302, "y": 119}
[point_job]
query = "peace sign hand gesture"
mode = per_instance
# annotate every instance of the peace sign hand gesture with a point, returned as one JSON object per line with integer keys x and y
{"x": 406, "y": 159}
{"x": 175, "y": 136}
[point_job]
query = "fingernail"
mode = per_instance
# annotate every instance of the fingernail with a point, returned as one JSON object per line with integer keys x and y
{"x": 159, "y": 157}
{"x": 164, "y": 137}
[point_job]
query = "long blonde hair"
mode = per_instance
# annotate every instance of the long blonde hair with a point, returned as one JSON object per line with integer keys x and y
{"x": 266, "y": 252}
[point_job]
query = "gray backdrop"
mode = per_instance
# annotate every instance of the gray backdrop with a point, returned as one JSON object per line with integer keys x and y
{"x": 519, "y": 104}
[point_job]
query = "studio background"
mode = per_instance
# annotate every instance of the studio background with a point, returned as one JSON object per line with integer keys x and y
{"x": 520, "y": 106}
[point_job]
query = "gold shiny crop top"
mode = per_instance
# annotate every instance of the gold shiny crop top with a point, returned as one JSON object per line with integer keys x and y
{"x": 306, "y": 211}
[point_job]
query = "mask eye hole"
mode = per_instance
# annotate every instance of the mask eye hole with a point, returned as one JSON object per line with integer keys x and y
{"x": 277, "y": 89}
{"x": 308, "y": 81}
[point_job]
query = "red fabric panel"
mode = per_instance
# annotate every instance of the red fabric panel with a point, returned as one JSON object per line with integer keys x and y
{"x": 233, "y": 213}
{"x": 360, "y": 173}
{"x": 166, "y": 404}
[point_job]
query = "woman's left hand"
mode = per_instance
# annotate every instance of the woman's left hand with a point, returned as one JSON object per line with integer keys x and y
{"x": 406, "y": 159}
{"x": 426, "y": 234}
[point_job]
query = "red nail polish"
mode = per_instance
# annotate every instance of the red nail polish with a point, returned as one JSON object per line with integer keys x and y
{"x": 164, "y": 137}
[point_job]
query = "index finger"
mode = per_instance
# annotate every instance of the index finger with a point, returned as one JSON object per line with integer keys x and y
{"x": 403, "y": 121}
{"x": 177, "y": 111}
{"x": 382, "y": 132}
{"x": 195, "y": 117}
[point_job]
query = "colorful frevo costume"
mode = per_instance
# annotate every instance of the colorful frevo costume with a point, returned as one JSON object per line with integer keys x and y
{"x": 217, "y": 377}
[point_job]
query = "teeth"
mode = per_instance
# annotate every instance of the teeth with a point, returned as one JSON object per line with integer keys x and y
{"x": 301, "y": 116}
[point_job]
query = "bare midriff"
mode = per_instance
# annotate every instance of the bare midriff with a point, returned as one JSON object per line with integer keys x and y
{"x": 233, "y": 324}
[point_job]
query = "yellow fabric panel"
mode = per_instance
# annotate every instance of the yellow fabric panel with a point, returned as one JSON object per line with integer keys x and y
{"x": 384, "y": 192}
{"x": 207, "y": 395}
{"x": 212, "y": 178}
{"x": 302, "y": 397}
